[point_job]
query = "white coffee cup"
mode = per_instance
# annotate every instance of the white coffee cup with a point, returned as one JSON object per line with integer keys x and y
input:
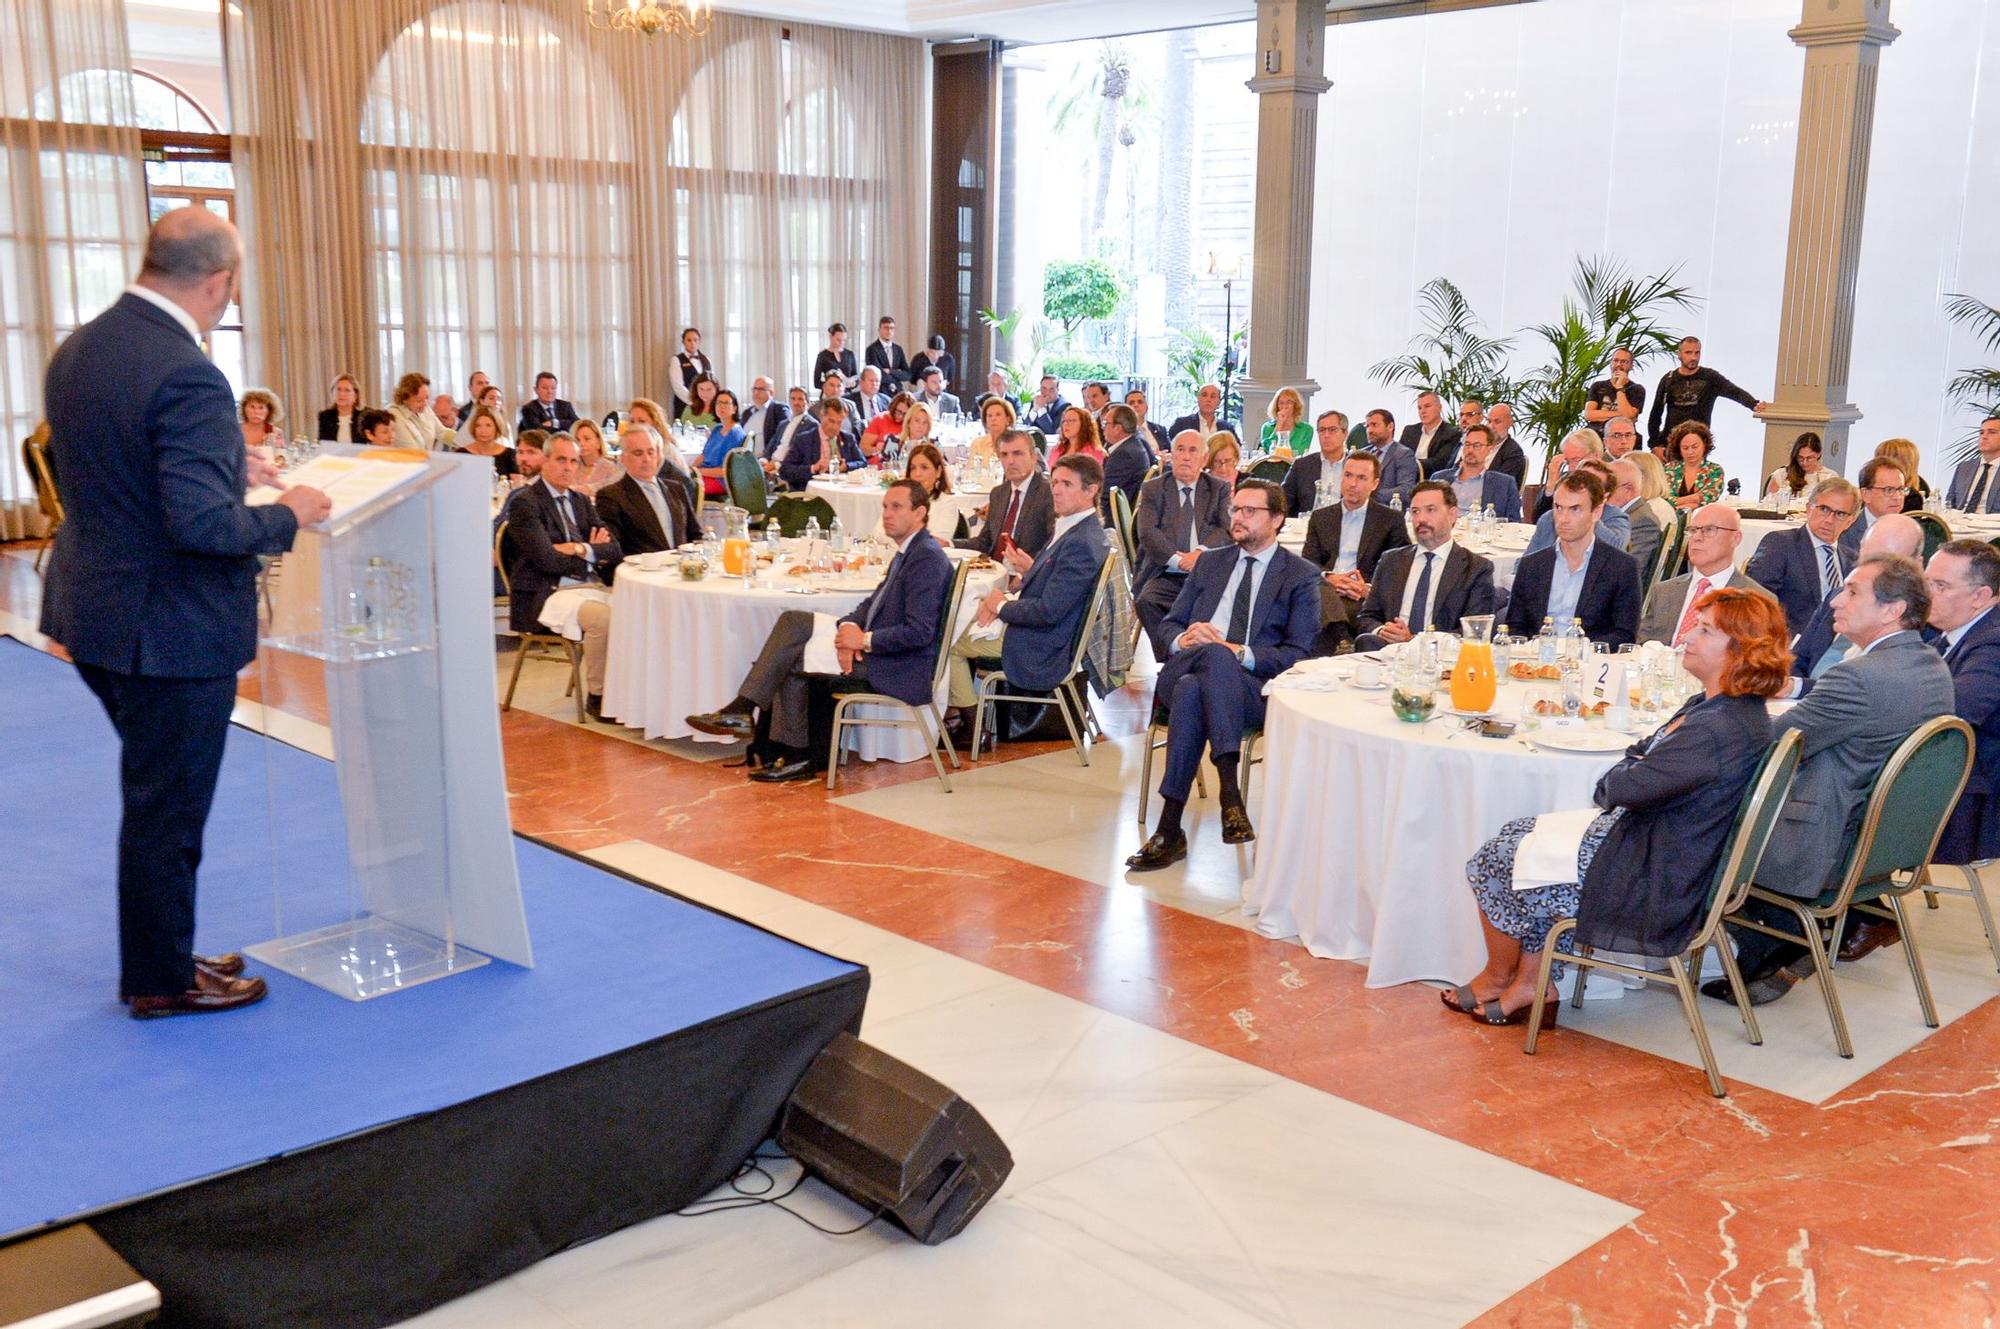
{"x": 1368, "y": 674}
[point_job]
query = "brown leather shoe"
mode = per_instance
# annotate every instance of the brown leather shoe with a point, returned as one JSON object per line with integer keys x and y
{"x": 1867, "y": 937}
{"x": 211, "y": 992}
{"x": 229, "y": 965}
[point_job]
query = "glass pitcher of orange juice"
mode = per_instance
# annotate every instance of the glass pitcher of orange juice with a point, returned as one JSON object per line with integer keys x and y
{"x": 1474, "y": 680}
{"x": 736, "y": 543}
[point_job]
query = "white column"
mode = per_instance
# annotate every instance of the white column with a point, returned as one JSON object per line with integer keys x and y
{"x": 1291, "y": 41}
{"x": 1843, "y": 40}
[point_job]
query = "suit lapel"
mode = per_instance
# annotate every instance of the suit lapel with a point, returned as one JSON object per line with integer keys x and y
{"x": 1454, "y": 564}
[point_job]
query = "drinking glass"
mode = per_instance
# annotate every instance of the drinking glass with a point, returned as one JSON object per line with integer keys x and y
{"x": 1413, "y": 686}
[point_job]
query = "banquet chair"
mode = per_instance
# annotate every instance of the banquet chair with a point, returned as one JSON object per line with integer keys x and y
{"x": 743, "y": 477}
{"x": 793, "y": 511}
{"x": 42, "y": 474}
{"x": 1756, "y": 818}
{"x": 1121, "y": 523}
{"x": 1667, "y": 558}
{"x": 1937, "y": 532}
{"x": 1156, "y": 738}
{"x": 925, "y": 719}
{"x": 1271, "y": 468}
{"x": 1063, "y": 696}
{"x": 1907, "y": 809}
{"x": 537, "y": 645}
{"x": 1975, "y": 888}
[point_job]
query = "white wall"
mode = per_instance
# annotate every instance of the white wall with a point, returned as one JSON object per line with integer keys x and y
{"x": 1493, "y": 146}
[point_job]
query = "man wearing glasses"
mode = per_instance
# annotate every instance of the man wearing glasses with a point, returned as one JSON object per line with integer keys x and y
{"x": 1244, "y": 616}
{"x": 1806, "y": 564}
{"x": 1883, "y": 486}
{"x": 1714, "y": 534}
{"x": 1302, "y": 481}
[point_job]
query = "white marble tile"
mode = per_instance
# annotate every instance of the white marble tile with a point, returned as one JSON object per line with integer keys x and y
{"x": 507, "y": 1304}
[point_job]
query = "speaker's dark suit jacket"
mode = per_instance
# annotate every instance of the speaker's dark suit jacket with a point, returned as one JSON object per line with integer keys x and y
{"x": 775, "y": 416}
{"x": 797, "y": 468}
{"x": 623, "y": 511}
{"x": 1787, "y": 565}
{"x": 1444, "y": 447}
{"x": 1608, "y": 604}
{"x": 1464, "y": 586}
{"x": 155, "y": 569}
{"x": 1974, "y": 829}
{"x": 557, "y": 415}
{"x": 534, "y": 568}
{"x": 1033, "y": 525}
{"x": 1302, "y": 482}
{"x": 1040, "y": 641}
{"x": 904, "y": 617}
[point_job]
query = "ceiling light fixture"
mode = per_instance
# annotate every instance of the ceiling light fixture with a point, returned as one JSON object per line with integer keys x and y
{"x": 681, "y": 18}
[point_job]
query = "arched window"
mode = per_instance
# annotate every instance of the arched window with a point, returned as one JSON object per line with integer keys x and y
{"x": 500, "y": 185}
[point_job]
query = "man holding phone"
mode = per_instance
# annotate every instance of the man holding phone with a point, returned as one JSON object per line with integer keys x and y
{"x": 1019, "y": 512}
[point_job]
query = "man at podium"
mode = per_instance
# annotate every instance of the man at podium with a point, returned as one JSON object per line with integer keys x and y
{"x": 153, "y": 585}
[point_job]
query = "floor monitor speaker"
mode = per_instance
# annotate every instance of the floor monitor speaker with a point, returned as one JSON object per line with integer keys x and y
{"x": 889, "y": 1137}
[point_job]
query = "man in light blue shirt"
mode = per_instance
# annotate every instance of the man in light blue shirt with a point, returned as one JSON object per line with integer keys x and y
{"x": 1613, "y": 528}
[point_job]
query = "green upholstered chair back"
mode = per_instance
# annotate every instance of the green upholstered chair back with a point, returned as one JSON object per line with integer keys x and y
{"x": 1907, "y": 809}
{"x": 744, "y": 478}
{"x": 793, "y": 511}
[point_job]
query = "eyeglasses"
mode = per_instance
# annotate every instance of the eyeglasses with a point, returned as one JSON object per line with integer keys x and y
{"x": 1885, "y": 489}
{"x": 1240, "y": 511}
{"x": 1826, "y": 511}
{"x": 1711, "y": 530}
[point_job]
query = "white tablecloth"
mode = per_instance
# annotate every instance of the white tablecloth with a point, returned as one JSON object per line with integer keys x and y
{"x": 1503, "y": 545}
{"x": 1365, "y": 824}
{"x": 859, "y": 506}
{"x": 679, "y": 648}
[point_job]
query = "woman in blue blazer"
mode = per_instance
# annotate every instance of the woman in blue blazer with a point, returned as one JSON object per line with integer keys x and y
{"x": 1645, "y": 865}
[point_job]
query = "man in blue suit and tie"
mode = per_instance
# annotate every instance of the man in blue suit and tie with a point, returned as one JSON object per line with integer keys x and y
{"x": 1805, "y": 565}
{"x": 1037, "y": 643}
{"x": 888, "y": 643}
{"x": 153, "y": 587}
{"x": 1975, "y": 485}
{"x": 1244, "y": 616}
{"x": 1964, "y": 578}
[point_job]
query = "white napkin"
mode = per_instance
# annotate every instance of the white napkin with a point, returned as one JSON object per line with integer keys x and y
{"x": 1547, "y": 855}
{"x": 986, "y": 631}
{"x": 821, "y": 657}
{"x": 559, "y": 611}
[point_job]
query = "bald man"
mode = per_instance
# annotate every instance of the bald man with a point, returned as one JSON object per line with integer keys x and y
{"x": 153, "y": 590}
{"x": 1714, "y": 535}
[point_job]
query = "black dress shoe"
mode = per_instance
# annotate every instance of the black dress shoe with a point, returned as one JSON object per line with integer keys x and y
{"x": 1867, "y": 937}
{"x": 593, "y": 706}
{"x": 724, "y": 724}
{"x": 1236, "y": 827}
{"x": 1161, "y": 850}
{"x": 210, "y": 993}
{"x": 786, "y": 771}
{"x": 1761, "y": 991}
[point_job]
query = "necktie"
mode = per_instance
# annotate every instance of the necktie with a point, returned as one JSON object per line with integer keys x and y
{"x": 1687, "y": 619}
{"x": 1184, "y": 520}
{"x": 1239, "y": 608}
{"x": 1829, "y": 571}
{"x": 1977, "y": 501}
{"x": 1420, "y": 607}
{"x": 562, "y": 511}
{"x": 662, "y": 510}
{"x": 1013, "y": 511}
{"x": 1943, "y": 647}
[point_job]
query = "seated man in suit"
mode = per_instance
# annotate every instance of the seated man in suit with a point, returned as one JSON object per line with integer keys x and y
{"x": 1580, "y": 576}
{"x": 1819, "y": 648}
{"x": 1344, "y": 541}
{"x": 554, "y": 540}
{"x": 1432, "y": 440}
{"x": 1714, "y": 534}
{"x": 644, "y": 514}
{"x": 1156, "y": 435}
{"x": 1507, "y": 456}
{"x": 932, "y": 396}
{"x": 1400, "y": 471}
{"x": 1302, "y": 480}
{"x": 833, "y": 397}
{"x": 1243, "y": 617}
{"x": 763, "y": 416}
{"x": 547, "y": 411}
{"x": 1038, "y": 641}
{"x": 1964, "y": 580}
{"x": 1127, "y": 455}
{"x": 1614, "y": 526}
{"x": 1882, "y": 487}
{"x": 1804, "y": 565}
{"x": 1857, "y": 714}
{"x": 1644, "y": 539}
{"x": 813, "y": 448}
{"x": 1451, "y": 581}
{"x": 1975, "y": 485}
{"x": 1045, "y": 411}
{"x": 888, "y": 643}
{"x": 868, "y": 399}
{"x": 1474, "y": 480}
{"x": 1180, "y": 514}
{"x": 783, "y": 458}
{"x": 1019, "y": 512}
{"x": 1207, "y": 418}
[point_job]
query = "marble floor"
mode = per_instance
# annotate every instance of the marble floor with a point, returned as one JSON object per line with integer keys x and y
{"x": 1214, "y": 1127}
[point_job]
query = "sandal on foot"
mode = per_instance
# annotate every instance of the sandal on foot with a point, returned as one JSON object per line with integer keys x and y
{"x": 1461, "y": 999}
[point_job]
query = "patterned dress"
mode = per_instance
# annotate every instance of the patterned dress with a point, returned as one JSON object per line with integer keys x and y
{"x": 1528, "y": 915}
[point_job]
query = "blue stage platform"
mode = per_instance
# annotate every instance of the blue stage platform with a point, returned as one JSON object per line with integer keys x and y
{"x": 99, "y": 1111}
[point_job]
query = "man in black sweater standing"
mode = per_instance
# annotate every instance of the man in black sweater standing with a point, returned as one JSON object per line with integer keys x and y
{"x": 1688, "y": 392}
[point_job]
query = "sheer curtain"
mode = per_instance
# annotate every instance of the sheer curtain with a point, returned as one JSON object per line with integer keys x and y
{"x": 72, "y": 202}
{"x": 451, "y": 185}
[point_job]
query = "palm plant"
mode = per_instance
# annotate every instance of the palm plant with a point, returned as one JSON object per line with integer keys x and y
{"x": 1452, "y": 356}
{"x": 1021, "y": 373}
{"x": 1978, "y": 387}
{"x": 1607, "y": 309}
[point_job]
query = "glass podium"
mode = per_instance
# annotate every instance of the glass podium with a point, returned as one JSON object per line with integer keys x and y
{"x": 376, "y": 651}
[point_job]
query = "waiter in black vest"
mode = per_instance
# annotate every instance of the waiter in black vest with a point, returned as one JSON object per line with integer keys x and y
{"x": 685, "y": 368}
{"x": 153, "y": 590}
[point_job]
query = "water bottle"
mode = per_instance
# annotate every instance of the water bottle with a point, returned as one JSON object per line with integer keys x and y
{"x": 812, "y": 531}
{"x": 1575, "y": 644}
{"x": 1546, "y": 646}
{"x": 836, "y": 538}
{"x": 1488, "y": 518}
{"x": 833, "y": 459}
{"x": 1396, "y": 502}
{"x": 377, "y": 591}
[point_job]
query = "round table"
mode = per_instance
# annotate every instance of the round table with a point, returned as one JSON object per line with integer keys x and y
{"x": 680, "y": 648}
{"x": 1365, "y": 824}
{"x": 859, "y": 505}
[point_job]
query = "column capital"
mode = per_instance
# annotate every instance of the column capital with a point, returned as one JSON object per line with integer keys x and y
{"x": 1314, "y": 84}
{"x": 1845, "y": 23}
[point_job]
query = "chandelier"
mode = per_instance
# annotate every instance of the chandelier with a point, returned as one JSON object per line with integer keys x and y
{"x": 682, "y": 18}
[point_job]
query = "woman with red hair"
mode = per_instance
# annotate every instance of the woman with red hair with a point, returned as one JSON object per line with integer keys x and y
{"x": 1646, "y": 861}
